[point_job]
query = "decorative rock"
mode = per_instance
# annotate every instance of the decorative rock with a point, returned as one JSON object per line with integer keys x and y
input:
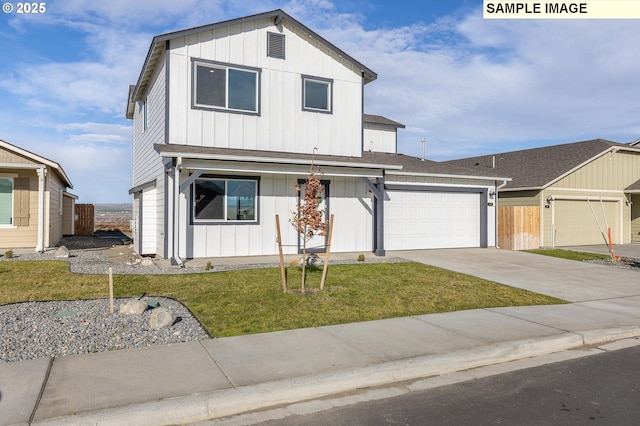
{"x": 312, "y": 260}
{"x": 133, "y": 307}
{"x": 146, "y": 261}
{"x": 161, "y": 318}
{"x": 61, "y": 253}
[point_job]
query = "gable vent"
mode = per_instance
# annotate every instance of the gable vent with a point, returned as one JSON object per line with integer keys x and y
{"x": 275, "y": 45}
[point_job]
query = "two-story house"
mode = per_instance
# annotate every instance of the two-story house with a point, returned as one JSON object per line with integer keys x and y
{"x": 226, "y": 119}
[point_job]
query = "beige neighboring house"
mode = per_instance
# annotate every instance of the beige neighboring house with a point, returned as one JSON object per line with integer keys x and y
{"x": 35, "y": 208}
{"x": 573, "y": 193}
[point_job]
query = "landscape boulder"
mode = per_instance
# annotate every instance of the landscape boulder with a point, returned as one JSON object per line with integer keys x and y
{"x": 161, "y": 318}
{"x": 133, "y": 307}
{"x": 61, "y": 253}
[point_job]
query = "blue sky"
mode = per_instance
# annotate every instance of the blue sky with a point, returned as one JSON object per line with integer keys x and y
{"x": 469, "y": 86}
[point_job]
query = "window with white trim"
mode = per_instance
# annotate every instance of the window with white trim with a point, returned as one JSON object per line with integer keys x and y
{"x": 226, "y": 87}
{"x": 225, "y": 200}
{"x": 317, "y": 94}
{"x": 6, "y": 201}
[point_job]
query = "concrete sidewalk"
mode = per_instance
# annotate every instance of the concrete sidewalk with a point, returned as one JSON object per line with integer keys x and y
{"x": 214, "y": 378}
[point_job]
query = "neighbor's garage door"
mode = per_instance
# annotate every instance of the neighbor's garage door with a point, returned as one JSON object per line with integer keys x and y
{"x": 575, "y": 224}
{"x": 425, "y": 220}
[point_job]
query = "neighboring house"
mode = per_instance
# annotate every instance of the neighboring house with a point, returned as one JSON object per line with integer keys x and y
{"x": 576, "y": 191}
{"x": 226, "y": 118}
{"x": 35, "y": 208}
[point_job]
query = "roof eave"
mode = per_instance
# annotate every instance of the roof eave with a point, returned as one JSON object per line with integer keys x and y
{"x": 277, "y": 160}
{"x": 451, "y": 175}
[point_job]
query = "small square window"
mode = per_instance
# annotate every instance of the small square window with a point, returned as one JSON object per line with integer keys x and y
{"x": 317, "y": 94}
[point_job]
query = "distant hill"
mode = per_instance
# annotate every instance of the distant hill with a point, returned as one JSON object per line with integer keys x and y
{"x": 109, "y": 216}
{"x": 113, "y": 207}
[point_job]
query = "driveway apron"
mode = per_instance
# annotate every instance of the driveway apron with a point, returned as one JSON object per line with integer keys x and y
{"x": 565, "y": 279}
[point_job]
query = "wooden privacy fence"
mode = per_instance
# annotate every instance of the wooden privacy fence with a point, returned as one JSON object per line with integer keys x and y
{"x": 84, "y": 219}
{"x": 519, "y": 227}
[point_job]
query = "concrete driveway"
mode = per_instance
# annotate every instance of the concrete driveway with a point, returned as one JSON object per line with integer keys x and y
{"x": 566, "y": 279}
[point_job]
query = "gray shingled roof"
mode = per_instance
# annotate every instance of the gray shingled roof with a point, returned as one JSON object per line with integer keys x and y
{"x": 390, "y": 161}
{"x": 380, "y": 120}
{"x": 538, "y": 167}
{"x": 634, "y": 187}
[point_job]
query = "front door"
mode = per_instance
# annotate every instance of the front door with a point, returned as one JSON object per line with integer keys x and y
{"x": 317, "y": 244}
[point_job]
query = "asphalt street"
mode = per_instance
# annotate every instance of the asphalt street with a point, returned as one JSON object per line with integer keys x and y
{"x": 597, "y": 389}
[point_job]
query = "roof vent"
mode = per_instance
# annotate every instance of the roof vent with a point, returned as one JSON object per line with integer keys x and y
{"x": 275, "y": 45}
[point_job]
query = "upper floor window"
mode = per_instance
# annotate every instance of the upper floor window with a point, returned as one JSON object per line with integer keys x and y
{"x": 226, "y": 87}
{"x": 317, "y": 94}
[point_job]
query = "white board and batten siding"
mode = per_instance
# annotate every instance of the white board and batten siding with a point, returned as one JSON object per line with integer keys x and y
{"x": 147, "y": 164}
{"x": 379, "y": 138}
{"x": 282, "y": 124}
{"x": 349, "y": 202}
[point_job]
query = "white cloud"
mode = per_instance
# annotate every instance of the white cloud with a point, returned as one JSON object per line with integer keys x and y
{"x": 499, "y": 83}
{"x": 96, "y": 133}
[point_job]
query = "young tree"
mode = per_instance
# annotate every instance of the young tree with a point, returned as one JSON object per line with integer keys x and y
{"x": 308, "y": 217}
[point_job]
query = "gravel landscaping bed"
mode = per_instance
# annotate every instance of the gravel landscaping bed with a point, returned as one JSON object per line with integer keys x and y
{"x": 51, "y": 329}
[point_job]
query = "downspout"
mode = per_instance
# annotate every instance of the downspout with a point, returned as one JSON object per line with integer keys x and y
{"x": 495, "y": 215}
{"x": 175, "y": 259}
{"x": 42, "y": 172}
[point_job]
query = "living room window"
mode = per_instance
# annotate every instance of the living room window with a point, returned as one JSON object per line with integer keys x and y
{"x": 226, "y": 87}
{"x": 317, "y": 94}
{"x": 6, "y": 201}
{"x": 225, "y": 200}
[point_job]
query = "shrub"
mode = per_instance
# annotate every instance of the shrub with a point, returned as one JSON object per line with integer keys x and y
{"x": 8, "y": 254}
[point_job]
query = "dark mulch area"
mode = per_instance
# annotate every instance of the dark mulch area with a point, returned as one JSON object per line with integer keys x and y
{"x": 100, "y": 239}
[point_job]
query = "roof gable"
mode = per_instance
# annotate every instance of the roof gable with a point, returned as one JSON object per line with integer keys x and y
{"x": 159, "y": 42}
{"x": 538, "y": 168}
{"x": 37, "y": 159}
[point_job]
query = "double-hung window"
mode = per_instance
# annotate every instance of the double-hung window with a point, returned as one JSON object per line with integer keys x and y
{"x": 226, "y": 87}
{"x": 6, "y": 201}
{"x": 317, "y": 94}
{"x": 225, "y": 200}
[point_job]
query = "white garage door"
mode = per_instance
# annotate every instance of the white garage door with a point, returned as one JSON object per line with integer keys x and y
{"x": 425, "y": 220}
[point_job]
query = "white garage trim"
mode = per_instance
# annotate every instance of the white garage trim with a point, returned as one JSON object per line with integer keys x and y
{"x": 480, "y": 215}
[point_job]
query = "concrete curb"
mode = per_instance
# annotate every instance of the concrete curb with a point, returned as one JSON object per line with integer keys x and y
{"x": 200, "y": 407}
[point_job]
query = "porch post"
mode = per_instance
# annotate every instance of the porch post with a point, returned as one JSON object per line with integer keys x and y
{"x": 42, "y": 172}
{"x": 379, "y": 217}
{"x": 175, "y": 257}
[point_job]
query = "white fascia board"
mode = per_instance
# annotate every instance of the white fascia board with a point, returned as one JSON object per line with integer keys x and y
{"x": 272, "y": 168}
{"x": 440, "y": 175}
{"x": 280, "y": 161}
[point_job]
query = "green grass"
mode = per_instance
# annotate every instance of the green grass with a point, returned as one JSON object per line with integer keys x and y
{"x": 251, "y": 301}
{"x": 571, "y": 255}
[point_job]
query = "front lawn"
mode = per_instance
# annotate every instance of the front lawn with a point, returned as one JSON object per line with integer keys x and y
{"x": 251, "y": 301}
{"x": 571, "y": 255}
